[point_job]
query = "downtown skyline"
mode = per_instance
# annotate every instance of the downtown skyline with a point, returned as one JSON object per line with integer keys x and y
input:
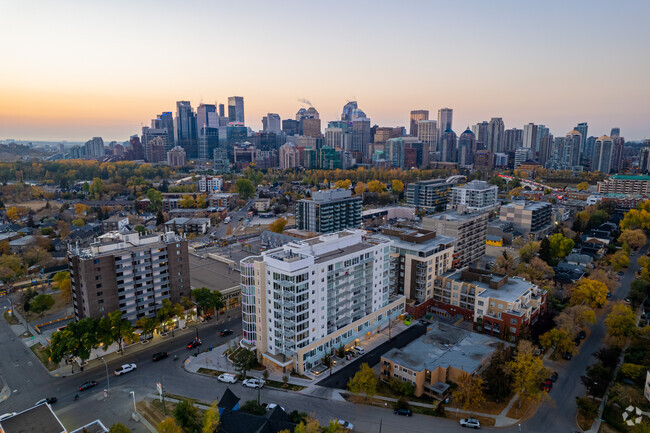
{"x": 80, "y": 70}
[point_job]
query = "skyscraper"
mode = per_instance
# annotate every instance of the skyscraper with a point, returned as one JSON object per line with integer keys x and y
{"x": 545, "y": 149}
{"x": 615, "y": 133}
{"x": 272, "y": 123}
{"x": 617, "y": 153}
{"x": 445, "y": 117}
{"x": 417, "y": 116}
{"x": 236, "y": 109}
{"x": 644, "y": 158}
{"x": 165, "y": 121}
{"x": 582, "y": 129}
{"x": 530, "y": 136}
{"x": 572, "y": 146}
{"x": 207, "y": 122}
{"x": 427, "y": 133}
{"x": 360, "y": 137}
{"x": 495, "y": 138}
{"x": 480, "y": 131}
{"x": 348, "y": 108}
{"x": 448, "y": 146}
{"x": 602, "y": 159}
{"x": 185, "y": 129}
{"x": 513, "y": 139}
{"x": 466, "y": 148}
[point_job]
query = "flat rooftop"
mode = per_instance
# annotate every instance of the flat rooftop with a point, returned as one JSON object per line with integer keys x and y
{"x": 512, "y": 290}
{"x": 454, "y": 215}
{"x": 38, "y": 419}
{"x": 445, "y": 346}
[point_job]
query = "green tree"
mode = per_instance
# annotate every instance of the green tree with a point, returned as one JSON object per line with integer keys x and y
{"x": 253, "y": 407}
{"x": 97, "y": 188}
{"x": 496, "y": 375}
{"x": 155, "y": 199}
{"x": 469, "y": 393}
{"x": 167, "y": 312}
{"x": 160, "y": 218}
{"x": 545, "y": 251}
{"x": 121, "y": 329}
{"x": 146, "y": 324}
{"x": 187, "y": 416}
{"x": 560, "y": 246}
{"x": 245, "y": 189}
{"x": 207, "y": 299}
{"x": 243, "y": 361}
{"x": 41, "y": 303}
{"x": 365, "y": 380}
{"x": 278, "y": 225}
{"x": 528, "y": 251}
{"x": 119, "y": 428}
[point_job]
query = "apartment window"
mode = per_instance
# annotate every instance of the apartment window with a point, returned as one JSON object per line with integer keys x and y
{"x": 500, "y": 306}
{"x": 101, "y": 301}
{"x": 100, "y": 293}
{"x": 492, "y": 304}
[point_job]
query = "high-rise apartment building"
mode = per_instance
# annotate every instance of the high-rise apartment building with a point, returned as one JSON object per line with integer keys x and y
{"x": 236, "y": 109}
{"x": 617, "y": 154}
{"x": 136, "y": 151}
{"x": 480, "y": 131}
{"x": 545, "y": 149}
{"x": 155, "y": 150}
{"x": 445, "y": 120}
{"x": 474, "y": 196}
{"x": 329, "y": 211}
{"x": 427, "y": 133}
{"x": 625, "y": 184}
{"x": 495, "y": 135}
{"x": 210, "y": 184}
{"x": 94, "y": 148}
{"x": 417, "y": 257}
{"x": 360, "y": 137}
{"x": 572, "y": 147}
{"x": 176, "y": 157}
{"x": 615, "y": 133}
{"x": 530, "y": 219}
{"x": 469, "y": 230}
{"x": 185, "y": 129}
{"x": 302, "y": 301}
{"x": 272, "y": 123}
{"x": 513, "y": 139}
{"x": 150, "y": 134}
{"x": 128, "y": 272}
{"x": 416, "y": 117}
{"x": 290, "y": 127}
{"x": 644, "y": 159}
{"x": 466, "y": 148}
{"x": 334, "y": 138}
{"x": 582, "y": 128}
{"x": 432, "y": 193}
{"x": 602, "y": 156}
{"x": 530, "y": 137}
{"x": 289, "y": 156}
{"x": 448, "y": 146}
{"x": 165, "y": 121}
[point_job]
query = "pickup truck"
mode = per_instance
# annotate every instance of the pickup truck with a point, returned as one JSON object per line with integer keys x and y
{"x": 125, "y": 369}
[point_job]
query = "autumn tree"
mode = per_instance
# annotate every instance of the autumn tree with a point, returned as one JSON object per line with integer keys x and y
{"x": 589, "y": 292}
{"x": 634, "y": 238}
{"x": 210, "y": 423}
{"x": 583, "y": 186}
{"x": 619, "y": 260}
{"x": 559, "y": 339}
{"x": 343, "y": 184}
{"x": 80, "y": 209}
{"x": 186, "y": 202}
{"x": 397, "y": 186}
{"x": 12, "y": 213}
{"x": 504, "y": 264}
{"x": 560, "y": 246}
{"x": 636, "y": 219}
{"x": 537, "y": 271}
{"x": 376, "y": 186}
{"x": 278, "y": 225}
{"x": 469, "y": 393}
{"x": 310, "y": 425}
{"x": 360, "y": 188}
{"x": 528, "y": 251}
{"x": 97, "y": 188}
{"x": 527, "y": 371}
{"x": 119, "y": 428}
{"x": 187, "y": 416}
{"x": 621, "y": 324}
{"x": 576, "y": 318}
{"x": 365, "y": 380}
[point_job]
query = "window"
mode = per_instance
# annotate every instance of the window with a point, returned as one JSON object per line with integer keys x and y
{"x": 513, "y": 321}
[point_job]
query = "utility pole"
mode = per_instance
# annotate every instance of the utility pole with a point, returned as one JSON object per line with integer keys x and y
{"x": 197, "y": 340}
{"x": 108, "y": 383}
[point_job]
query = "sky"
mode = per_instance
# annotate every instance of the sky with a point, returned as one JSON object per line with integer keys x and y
{"x": 71, "y": 70}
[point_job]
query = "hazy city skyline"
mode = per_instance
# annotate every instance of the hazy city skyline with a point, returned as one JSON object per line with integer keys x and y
{"x": 80, "y": 70}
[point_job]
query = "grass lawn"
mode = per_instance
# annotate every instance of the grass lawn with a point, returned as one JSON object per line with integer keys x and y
{"x": 527, "y": 409}
{"x": 43, "y": 356}
{"x": 210, "y": 371}
{"x": 11, "y": 319}
{"x": 290, "y": 386}
{"x": 485, "y": 422}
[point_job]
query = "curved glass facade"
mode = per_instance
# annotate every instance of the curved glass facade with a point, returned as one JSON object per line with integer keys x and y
{"x": 248, "y": 303}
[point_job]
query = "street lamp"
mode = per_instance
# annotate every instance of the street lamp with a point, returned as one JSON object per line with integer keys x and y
{"x": 134, "y": 408}
{"x": 108, "y": 383}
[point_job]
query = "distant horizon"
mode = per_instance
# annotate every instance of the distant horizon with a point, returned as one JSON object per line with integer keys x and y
{"x": 70, "y": 75}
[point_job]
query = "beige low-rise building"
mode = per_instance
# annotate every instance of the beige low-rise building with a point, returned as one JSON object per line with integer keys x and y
{"x": 441, "y": 355}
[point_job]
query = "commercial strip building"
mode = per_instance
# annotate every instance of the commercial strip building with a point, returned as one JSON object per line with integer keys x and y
{"x": 417, "y": 257}
{"x": 475, "y": 196}
{"x": 309, "y": 297}
{"x": 128, "y": 272}
{"x": 625, "y": 184}
{"x": 530, "y": 219}
{"x": 440, "y": 356}
{"x": 469, "y": 230}
{"x": 329, "y": 211}
{"x": 497, "y": 304}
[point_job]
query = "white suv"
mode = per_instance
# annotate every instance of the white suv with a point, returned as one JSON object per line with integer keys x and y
{"x": 253, "y": 383}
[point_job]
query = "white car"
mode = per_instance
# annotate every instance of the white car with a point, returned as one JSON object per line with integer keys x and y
{"x": 271, "y": 406}
{"x": 125, "y": 369}
{"x": 359, "y": 349}
{"x": 346, "y": 425}
{"x": 227, "y": 378}
{"x": 470, "y": 423}
{"x": 7, "y": 416}
{"x": 253, "y": 383}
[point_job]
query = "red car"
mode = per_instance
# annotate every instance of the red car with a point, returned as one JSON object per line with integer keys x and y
{"x": 547, "y": 385}
{"x": 194, "y": 343}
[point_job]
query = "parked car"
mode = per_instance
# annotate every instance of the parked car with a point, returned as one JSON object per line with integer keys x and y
{"x": 194, "y": 343}
{"x": 7, "y": 416}
{"x": 567, "y": 355}
{"x": 554, "y": 376}
{"x": 160, "y": 355}
{"x": 227, "y": 378}
{"x": 403, "y": 412}
{"x": 253, "y": 383}
{"x": 346, "y": 425}
{"x": 547, "y": 385}
{"x": 359, "y": 349}
{"x": 582, "y": 335}
{"x": 621, "y": 273}
{"x": 125, "y": 369}
{"x": 609, "y": 294}
{"x": 48, "y": 400}
{"x": 470, "y": 423}
{"x": 225, "y": 332}
{"x": 577, "y": 341}
{"x": 270, "y": 406}
{"x": 87, "y": 385}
